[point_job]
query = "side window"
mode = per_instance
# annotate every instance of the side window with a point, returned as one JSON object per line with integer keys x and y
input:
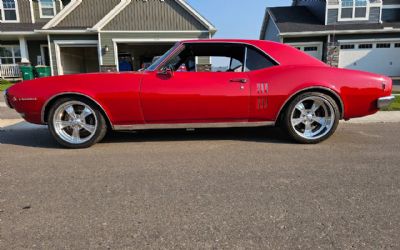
{"x": 209, "y": 57}
{"x": 257, "y": 60}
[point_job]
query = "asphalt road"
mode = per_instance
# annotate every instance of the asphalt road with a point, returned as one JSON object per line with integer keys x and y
{"x": 208, "y": 189}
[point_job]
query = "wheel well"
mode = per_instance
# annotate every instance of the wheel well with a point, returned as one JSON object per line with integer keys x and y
{"x": 50, "y": 104}
{"x": 325, "y": 91}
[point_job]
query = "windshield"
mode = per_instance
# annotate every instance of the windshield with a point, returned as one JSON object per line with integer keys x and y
{"x": 153, "y": 66}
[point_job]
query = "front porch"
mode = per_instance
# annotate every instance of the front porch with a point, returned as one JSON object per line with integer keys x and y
{"x": 17, "y": 51}
{"x": 10, "y": 72}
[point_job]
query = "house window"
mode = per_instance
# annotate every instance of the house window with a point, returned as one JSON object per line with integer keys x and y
{"x": 383, "y": 45}
{"x": 10, "y": 54}
{"x": 47, "y": 8}
{"x": 311, "y": 48}
{"x": 397, "y": 45}
{"x": 354, "y": 9}
{"x": 347, "y": 46}
{"x": 8, "y": 10}
{"x": 365, "y": 46}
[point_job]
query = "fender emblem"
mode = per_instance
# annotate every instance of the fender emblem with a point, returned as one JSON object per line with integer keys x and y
{"x": 24, "y": 99}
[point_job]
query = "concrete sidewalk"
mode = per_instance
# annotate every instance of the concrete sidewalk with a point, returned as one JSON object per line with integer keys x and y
{"x": 8, "y": 123}
{"x": 380, "y": 117}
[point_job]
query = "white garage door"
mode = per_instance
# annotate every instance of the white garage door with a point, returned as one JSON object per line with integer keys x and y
{"x": 376, "y": 57}
{"x": 312, "y": 48}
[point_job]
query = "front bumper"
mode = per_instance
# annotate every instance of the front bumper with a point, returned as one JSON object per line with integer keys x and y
{"x": 385, "y": 101}
{"x": 7, "y": 101}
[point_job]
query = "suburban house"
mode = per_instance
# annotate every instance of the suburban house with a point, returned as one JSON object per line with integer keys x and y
{"x": 354, "y": 34}
{"x": 79, "y": 36}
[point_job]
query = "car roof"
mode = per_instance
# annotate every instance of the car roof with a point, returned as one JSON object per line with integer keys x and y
{"x": 282, "y": 53}
{"x": 244, "y": 41}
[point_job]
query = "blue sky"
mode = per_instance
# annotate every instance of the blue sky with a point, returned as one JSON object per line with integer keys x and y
{"x": 236, "y": 18}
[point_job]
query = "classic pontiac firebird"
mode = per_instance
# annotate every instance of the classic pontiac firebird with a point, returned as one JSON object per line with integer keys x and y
{"x": 264, "y": 83}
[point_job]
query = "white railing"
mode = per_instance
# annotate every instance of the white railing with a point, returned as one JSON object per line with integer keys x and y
{"x": 9, "y": 71}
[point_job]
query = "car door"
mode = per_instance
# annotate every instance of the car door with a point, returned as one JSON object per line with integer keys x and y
{"x": 204, "y": 94}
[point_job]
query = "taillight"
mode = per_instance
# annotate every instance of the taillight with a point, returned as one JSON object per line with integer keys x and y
{"x": 387, "y": 85}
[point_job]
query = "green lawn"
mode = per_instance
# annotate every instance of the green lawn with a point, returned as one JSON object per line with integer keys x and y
{"x": 5, "y": 86}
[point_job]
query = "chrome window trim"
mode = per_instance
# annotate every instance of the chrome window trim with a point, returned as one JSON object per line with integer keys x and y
{"x": 71, "y": 93}
{"x": 177, "y": 50}
{"x": 245, "y": 59}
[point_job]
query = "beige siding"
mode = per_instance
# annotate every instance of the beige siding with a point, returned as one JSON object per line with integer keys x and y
{"x": 24, "y": 11}
{"x": 107, "y": 40}
{"x": 88, "y": 13}
{"x": 154, "y": 15}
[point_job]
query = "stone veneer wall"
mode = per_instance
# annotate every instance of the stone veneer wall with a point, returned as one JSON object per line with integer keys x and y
{"x": 332, "y": 55}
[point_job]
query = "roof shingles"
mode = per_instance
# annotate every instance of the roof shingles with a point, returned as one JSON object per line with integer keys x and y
{"x": 299, "y": 19}
{"x": 20, "y": 27}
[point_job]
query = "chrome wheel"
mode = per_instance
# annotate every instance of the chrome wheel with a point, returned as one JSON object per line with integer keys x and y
{"x": 75, "y": 122}
{"x": 312, "y": 117}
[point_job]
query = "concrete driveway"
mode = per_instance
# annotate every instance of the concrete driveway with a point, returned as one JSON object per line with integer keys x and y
{"x": 208, "y": 189}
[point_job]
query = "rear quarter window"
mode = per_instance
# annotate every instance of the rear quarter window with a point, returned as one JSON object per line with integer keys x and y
{"x": 257, "y": 60}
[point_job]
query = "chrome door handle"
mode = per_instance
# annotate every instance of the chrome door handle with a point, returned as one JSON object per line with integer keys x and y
{"x": 239, "y": 80}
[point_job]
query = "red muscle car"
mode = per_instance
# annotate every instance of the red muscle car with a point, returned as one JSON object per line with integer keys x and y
{"x": 261, "y": 83}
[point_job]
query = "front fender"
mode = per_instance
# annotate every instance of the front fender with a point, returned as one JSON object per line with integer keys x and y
{"x": 117, "y": 94}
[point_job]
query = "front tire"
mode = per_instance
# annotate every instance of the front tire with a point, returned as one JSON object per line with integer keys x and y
{"x": 311, "y": 118}
{"x": 76, "y": 123}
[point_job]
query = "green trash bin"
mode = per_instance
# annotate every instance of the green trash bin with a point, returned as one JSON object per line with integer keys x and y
{"x": 27, "y": 72}
{"x": 43, "y": 71}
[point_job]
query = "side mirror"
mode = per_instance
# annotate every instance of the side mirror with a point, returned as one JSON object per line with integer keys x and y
{"x": 166, "y": 72}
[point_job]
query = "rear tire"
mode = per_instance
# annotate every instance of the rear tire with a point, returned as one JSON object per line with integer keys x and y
{"x": 311, "y": 118}
{"x": 76, "y": 123}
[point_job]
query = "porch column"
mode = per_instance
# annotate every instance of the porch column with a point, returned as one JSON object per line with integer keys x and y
{"x": 24, "y": 50}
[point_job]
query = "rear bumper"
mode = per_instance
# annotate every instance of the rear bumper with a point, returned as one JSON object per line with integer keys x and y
{"x": 385, "y": 101}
